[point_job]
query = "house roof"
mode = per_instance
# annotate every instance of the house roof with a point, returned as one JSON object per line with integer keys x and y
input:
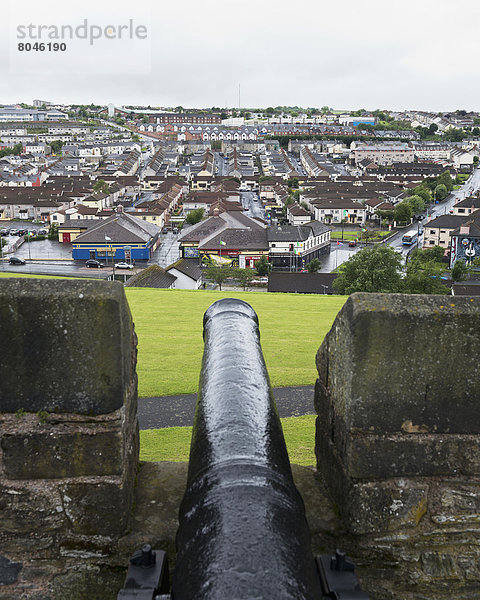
{"x": 447, "y": 221}
{"x": 287, "y": 233}
{"x": 297, "y": 211}
{"x": 121, "y": 228}
{"x": 189, "y": 267}
{"x": 466, "y": 288}
{"x": 301, "y": 283}
{"x": 152, "y": 277}
{"x": 77, "y": 224}
{"x": 470, "y": 202}
{"x": 238, "y": 239}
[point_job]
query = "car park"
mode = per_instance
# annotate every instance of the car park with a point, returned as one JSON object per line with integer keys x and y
{"x": 123, "y": 265}
{"x": 92, "y": 263}
{"x": 14, "y": 260}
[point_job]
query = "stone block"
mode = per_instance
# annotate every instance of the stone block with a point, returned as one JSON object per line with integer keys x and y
{"x": 98, "y": 507}
{"x": 70, "y": 452}
{"x": 417, "y": 455}
{"x": 71, "y": 346}
{"x": 385, "y": 506}
{"x": 30, "y": 508}
{"x": 392, "y": 361}
{"x": 9, "y": 570}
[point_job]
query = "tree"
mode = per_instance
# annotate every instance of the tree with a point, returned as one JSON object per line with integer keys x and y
{"x": 459, "y": 271}
{"x": 101, "y": 186}
{"x": 403, "y": 212}
{"x": 433, "y": 128}
{"x": 385, "y": 215}
{"x": 194, "y": 216}
{"x": 263, "y": 267}
{"x": 370, "y": 270}
{"x": 416, "y": 203}
{"x": 424, "y": 192}
{"x": 475, "y": 160}
{"x": 425, "y": 269}
{"x": 244, "y": 276}
{"x": 53, "y": 232}
{"x": 441, "y": 192}
{"x": 313, "y": 265}
{"x": 446, "y": 179}
{"x": 56, "y": 146}
{"x": 454, "y": 135}
{"x": 218, "y": 274}
{"x": 293, "y": 183}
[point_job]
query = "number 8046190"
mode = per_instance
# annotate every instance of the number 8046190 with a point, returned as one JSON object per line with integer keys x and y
{"x": 42, "y": 47}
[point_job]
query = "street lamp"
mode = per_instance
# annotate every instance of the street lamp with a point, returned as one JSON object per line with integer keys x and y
{"x": 109, "y": 239}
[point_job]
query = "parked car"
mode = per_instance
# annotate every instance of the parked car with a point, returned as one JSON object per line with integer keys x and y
{"x": 13, "y": 260}
{"x": 42, "y": 232}
{"x": 3, "y": 231}
{"x": 13, "y": 232}
{"x": 21, "y": 232}
{"x": 92, "y": 263}
{"x": 352, "y": 243}
{"x": 123, "y": 265}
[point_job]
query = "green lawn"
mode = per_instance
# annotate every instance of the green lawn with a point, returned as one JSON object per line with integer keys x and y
{"x": 358, "y": 235}
{"x": 170, "y": 345}
{"x": 173, "y": 443}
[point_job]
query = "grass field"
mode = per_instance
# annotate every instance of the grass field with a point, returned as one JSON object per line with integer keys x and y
{"x": 170, "y": 345}
{"x": 173, "y": 443}
{"x": 357, "y": 235}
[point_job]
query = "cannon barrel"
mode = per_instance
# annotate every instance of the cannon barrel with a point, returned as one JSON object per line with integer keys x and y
{"x": 243, "y": 533}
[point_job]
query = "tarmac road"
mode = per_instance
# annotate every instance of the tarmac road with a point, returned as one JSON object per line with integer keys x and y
{"x": 178, "y": 411}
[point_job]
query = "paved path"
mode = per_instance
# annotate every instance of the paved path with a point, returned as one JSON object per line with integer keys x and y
{"x": 177, "y": 411}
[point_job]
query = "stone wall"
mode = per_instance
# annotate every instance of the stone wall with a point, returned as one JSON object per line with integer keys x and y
{"x": 68, "y": 438}
{"x": 398, "y": 441}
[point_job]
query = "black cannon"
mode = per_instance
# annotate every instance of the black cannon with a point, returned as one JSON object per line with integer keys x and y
{"x": 243, "y": 533}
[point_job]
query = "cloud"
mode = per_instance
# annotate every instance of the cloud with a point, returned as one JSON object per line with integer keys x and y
{"x": 308, "y": 53}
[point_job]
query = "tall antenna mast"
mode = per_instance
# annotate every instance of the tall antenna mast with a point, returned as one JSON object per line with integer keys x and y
{"x": 239, "y": 104}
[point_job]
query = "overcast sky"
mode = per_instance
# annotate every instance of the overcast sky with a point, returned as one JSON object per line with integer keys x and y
{"x": 399, "y": 54}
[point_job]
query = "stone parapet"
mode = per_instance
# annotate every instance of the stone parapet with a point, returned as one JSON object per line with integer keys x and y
{"x": 68, "y": 437}
{"x": 398, "y": 438}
